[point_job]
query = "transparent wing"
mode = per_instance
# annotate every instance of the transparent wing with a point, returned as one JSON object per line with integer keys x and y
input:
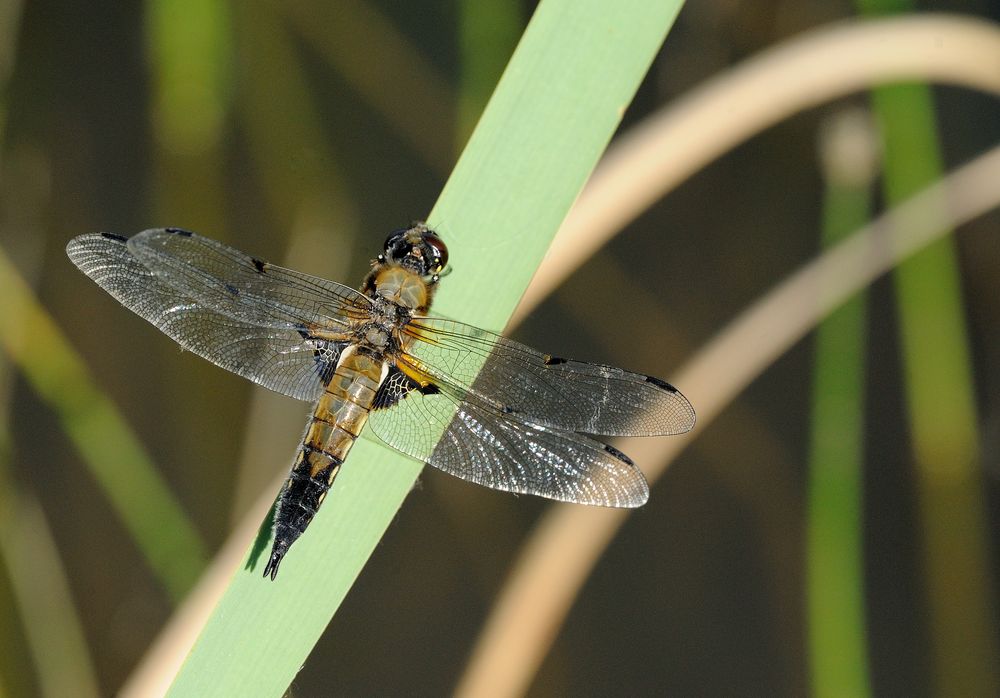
{"x": 554, "y": 392}
{"x": 283, "y": 356}
{"x": 482, "y": 445}
{"x": 235, "y": 284}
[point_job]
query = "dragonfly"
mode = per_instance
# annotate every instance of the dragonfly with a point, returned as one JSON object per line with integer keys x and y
{"x": 462, "y": 399}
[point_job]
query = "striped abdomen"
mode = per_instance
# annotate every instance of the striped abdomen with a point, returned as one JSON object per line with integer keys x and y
{"x": 337, "y": 420}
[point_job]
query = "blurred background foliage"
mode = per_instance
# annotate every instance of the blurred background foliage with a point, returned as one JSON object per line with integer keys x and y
{"x": 302, "y": 132}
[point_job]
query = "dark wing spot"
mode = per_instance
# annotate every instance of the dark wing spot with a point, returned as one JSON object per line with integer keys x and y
{"x": 327, "y": 358}
{"x": 429, "y": 389}
{"x": 618, "y": 454}
{"x": 232, "y": 289}
{"x": 661, "y": 384}
{"x": 326, "y": 355}
{"x": 112, "y": 236}
{"x": 326, "y": 369}
{"x": 507, "y": 409}
{"x": 258, "y": 265}
{"x": 554, "y": 360}
{"x": 394, "y": 388}
{"x": 179, "y": 231}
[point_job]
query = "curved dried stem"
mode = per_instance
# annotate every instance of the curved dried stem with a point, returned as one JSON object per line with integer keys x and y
{"x": 570, "y": 540}
{"x": 649, "y": 162}
{"x": 808, "y": 70}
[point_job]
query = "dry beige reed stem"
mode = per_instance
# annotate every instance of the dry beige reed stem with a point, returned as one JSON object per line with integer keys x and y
{"x": 660, "y": 153}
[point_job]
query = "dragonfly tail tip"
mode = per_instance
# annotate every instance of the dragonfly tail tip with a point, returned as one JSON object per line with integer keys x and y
{"x": 277, "y": 553}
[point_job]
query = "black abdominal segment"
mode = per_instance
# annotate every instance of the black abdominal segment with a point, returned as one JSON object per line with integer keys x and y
{"x": 299, "y": 501}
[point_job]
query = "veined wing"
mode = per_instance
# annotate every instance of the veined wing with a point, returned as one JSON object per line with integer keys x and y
{"x": 282, "y": 356}
{"x": 483, "y": 445}
{"x": 243, "y": 287}
{"x": 543, "y": 389}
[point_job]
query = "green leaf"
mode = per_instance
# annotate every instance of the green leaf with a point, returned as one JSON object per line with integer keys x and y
{"x": 835, "y": 580}
{"x": 557, "y": 105}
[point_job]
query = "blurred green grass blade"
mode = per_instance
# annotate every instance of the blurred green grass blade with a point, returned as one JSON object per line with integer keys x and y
{"x": 114, "y": 455}
{"x": 941, "y": 407}
{"x": 189, "y": 49}
{"x": 942, "y": 414}
{"x": 189, "y": 45}
{"x": 835, "y": 591}
{"x": 557, "y": 106}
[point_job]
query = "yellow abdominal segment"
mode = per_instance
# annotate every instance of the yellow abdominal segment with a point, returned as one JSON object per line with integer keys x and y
{"x": 342, "y": 410}
{"x": 340, "y": 414}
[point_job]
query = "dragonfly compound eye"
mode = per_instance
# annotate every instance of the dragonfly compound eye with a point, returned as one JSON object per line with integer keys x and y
{"x": 437, "y": 258}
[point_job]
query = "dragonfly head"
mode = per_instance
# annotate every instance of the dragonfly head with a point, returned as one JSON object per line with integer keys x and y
{"x": 417, "y": 248}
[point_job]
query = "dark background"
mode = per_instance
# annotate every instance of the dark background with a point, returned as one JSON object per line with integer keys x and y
{"x": 702, "y": 591}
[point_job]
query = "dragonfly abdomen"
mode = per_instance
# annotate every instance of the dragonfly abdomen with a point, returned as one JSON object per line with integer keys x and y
{"x": 337, "y": 420}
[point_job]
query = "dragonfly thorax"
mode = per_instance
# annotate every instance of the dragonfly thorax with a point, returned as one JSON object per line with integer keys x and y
{"x": 402, "y": 287}
{"x": 376, "y": 336}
